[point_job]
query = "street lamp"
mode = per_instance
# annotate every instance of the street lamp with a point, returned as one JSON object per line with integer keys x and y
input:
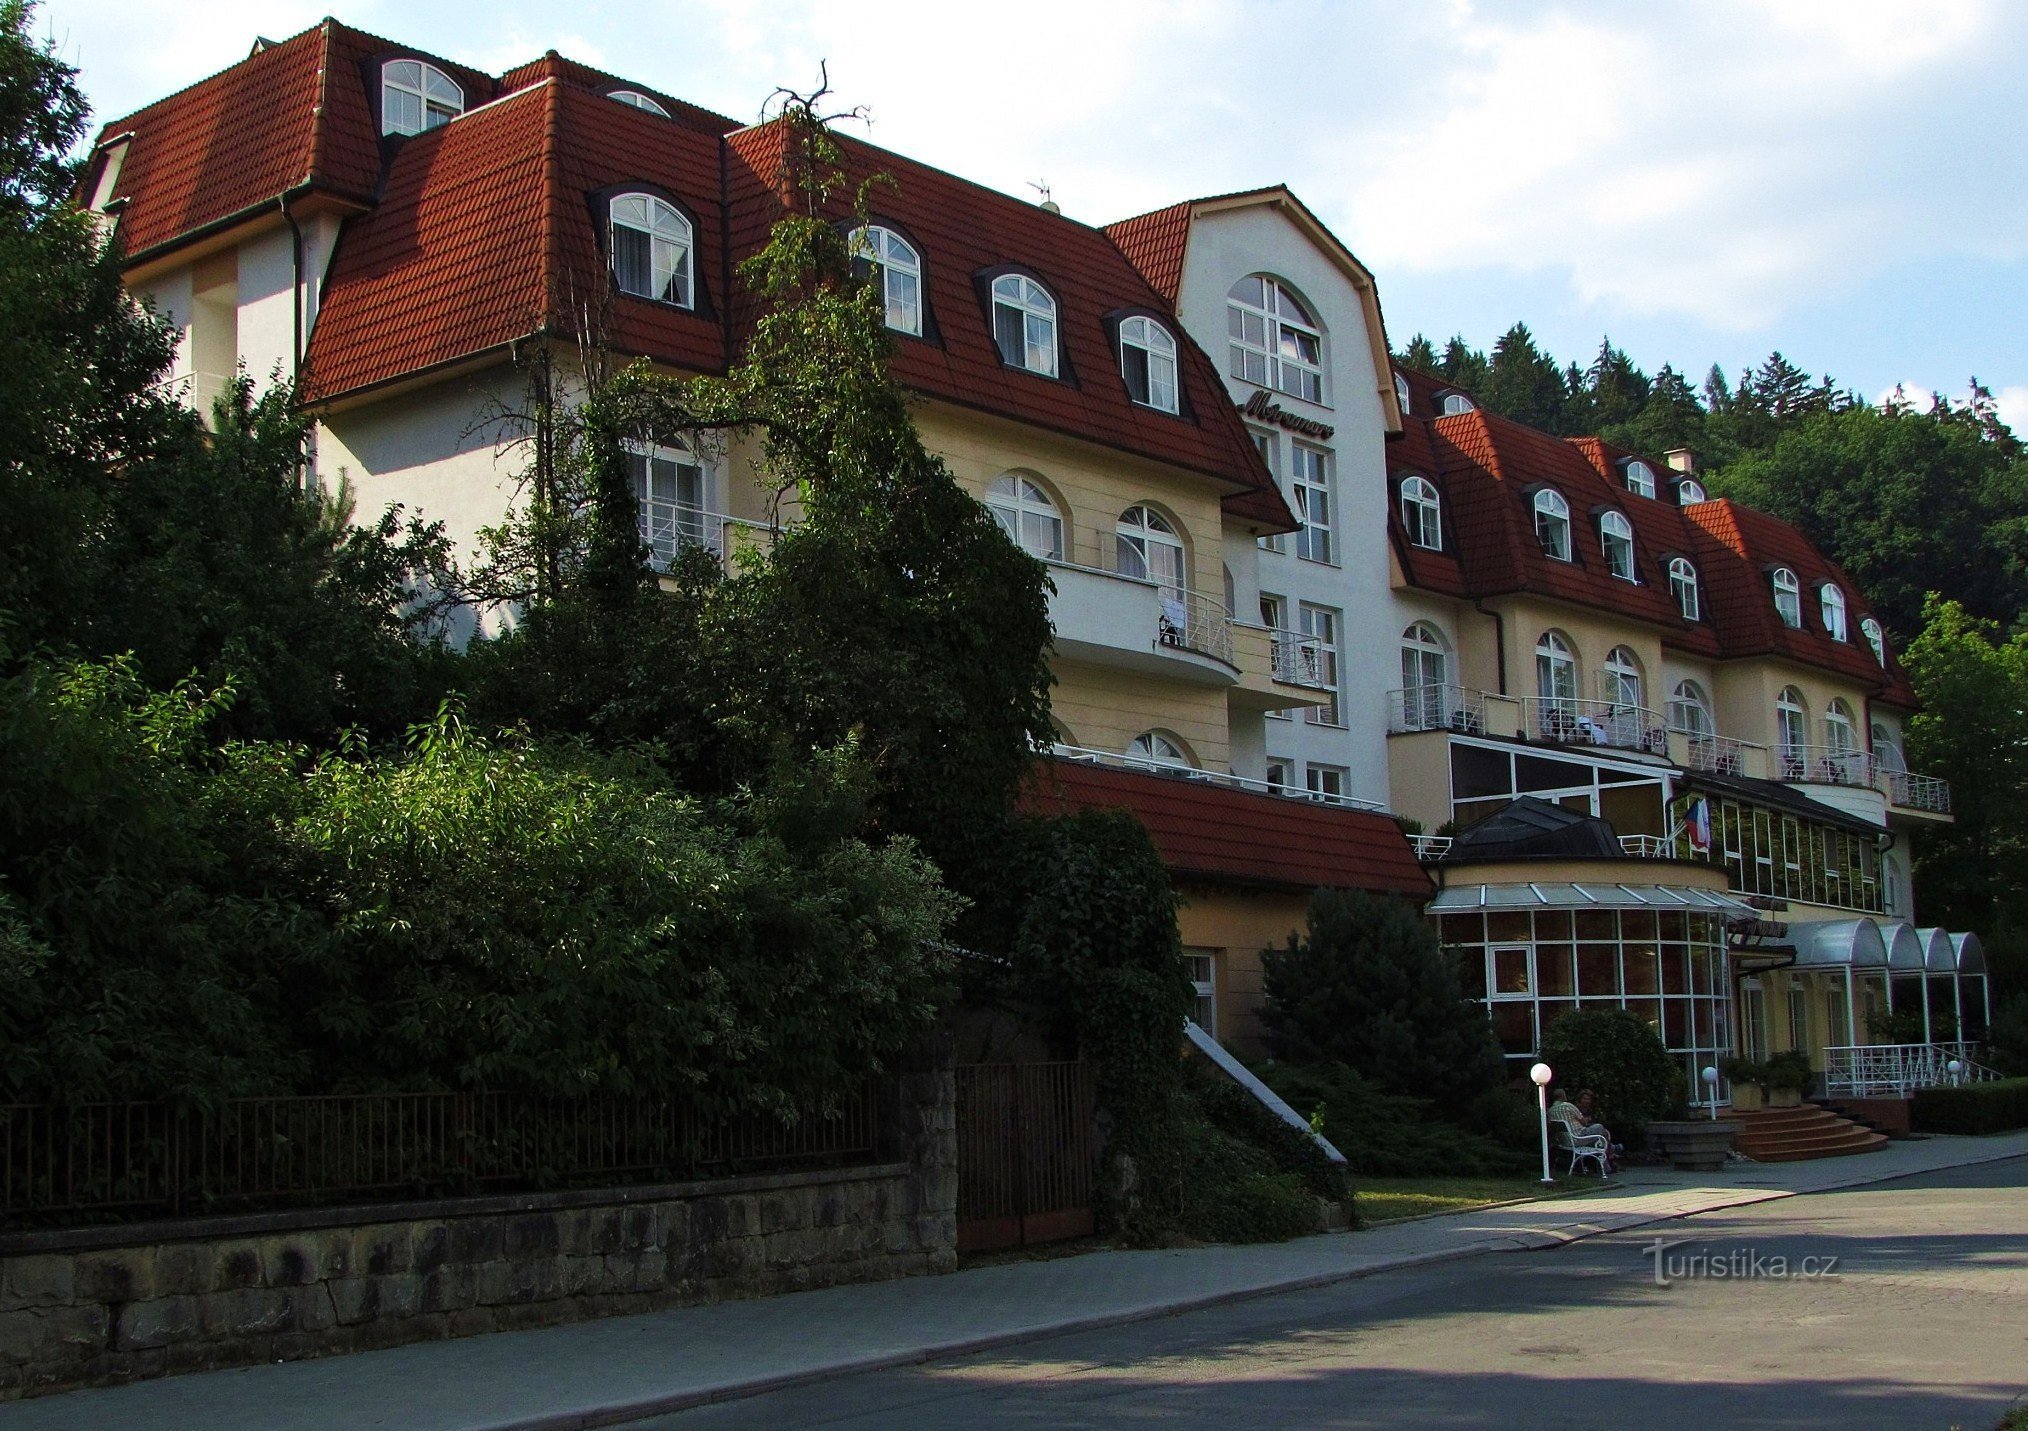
{"x": 1541, "y": 1075}
{"x": 1956, "y": 1069}
{"x": 1711, "y": 1089}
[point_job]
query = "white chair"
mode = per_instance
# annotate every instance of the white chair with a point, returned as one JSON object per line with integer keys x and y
{"x": 1582, "y": 1144}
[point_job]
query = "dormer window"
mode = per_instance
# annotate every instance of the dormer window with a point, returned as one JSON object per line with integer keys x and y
{"x": 638, "y": 100}
{"x": 1683, "y": 586}
{"x": 1831, "y": 606}
{"x": 415, "y": 96}
{"x": 900, "y": 268}
{"x": 1788, "y": 597}
{"x": 1422, "y": 514}
{"x": 1024, "y": 324}
{"x": 1875, "y": 638}
{"x": 650, "y": 249}
{"x": 1274, "y": 342}
{"x": 1455, "y": 403}
{"x": 1552, "y": 523}
{"x": 1401, "y": 393}
{"x": 1640, "y": 478}
{"x": 1690, "y": 490}
{"x": 1148, "y": 363}
{"x": 1616, "y": 540}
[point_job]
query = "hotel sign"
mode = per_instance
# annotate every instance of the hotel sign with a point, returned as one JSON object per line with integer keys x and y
{"x": 1261, "y": 408}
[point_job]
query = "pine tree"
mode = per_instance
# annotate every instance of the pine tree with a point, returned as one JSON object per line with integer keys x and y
{"x": 1524, "y": 383}
{"x": 1420, "y": 354}
{"x": 1462, "y": 365}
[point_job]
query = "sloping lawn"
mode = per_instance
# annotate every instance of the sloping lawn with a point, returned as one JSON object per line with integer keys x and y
{"x": 1384, "y": 1200}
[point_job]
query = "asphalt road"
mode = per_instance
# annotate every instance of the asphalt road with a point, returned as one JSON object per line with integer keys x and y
{"x": 1922, "y": 1322}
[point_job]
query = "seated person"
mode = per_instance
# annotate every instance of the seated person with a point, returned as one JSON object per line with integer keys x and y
{"x": 1566, "y": 1112}
{"x": 1591, "y": 1124}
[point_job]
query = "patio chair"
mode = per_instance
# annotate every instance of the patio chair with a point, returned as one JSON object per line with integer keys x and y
{"x": 1581, "y": 1144}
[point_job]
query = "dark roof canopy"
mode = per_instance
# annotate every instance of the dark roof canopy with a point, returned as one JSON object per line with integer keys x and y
{"x": 1531, "y": 828}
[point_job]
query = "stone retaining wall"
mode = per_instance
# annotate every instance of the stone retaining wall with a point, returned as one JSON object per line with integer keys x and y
{"x": 98, "y": 1305}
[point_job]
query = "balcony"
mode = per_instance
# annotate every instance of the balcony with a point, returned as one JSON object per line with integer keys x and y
{"x": 667, "y": 528}
{"x": 199, "y": 392}
{"x": 1569, "y": 721}
{"x": 1825, "y": 765}
{"x": 1212, "y": 777}
{"x": 1297, "y": 659}
{"x": 1453, "y": 708}
{"x": 1923, "y": 793}
{"x": 1722, "y": 755}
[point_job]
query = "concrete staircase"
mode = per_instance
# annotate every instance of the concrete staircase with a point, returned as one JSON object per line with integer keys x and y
{"x": 1793, "y": 1135}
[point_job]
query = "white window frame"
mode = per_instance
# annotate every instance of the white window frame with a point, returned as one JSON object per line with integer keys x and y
{"x": 1788, "y": 597}
{"x": 1322, "y": 625}
{"x": 438, "y": 98}
{"x": 1887, "y": 750}
{"x": 1686, "y": 698}
{"x": 1792, "y": 723}
{"x": 1147, "y": 547}
{"x": 1457, "y": 405}
{"x": 1689, "y": 491}
{"x": 1841, "y": 730}
{"x": 1028, "y": 514}
{"x": 1156, "y": 747}
{"x": 1683, "y": 585}
{"x": 1614, "y": 528}
{"x": 1401, "y": 393}
{"x": 634, "y": 99}
{"x": 1269, "y": 444}
{"x": 900, "y": 269}
{"x": 1310, "y": 487}
{"x": 1640, "y": 478}
{"x": 672, "y": 518}
{"x": 1422, "y": 513}
{"x": 1624, "y": 682}
{"x": 1201, "y": 966}
{"x": 1552, "y": 523}
{"x": 1274, "y": 614}
{"x": 1157, "y": 347}
{"x": 671, "y": 246}
{"x": 1032, "y": 309}
{"x": 1831, "y": 607}
{"x": 1326, "y": 780}
{"x": 1425, "y": 675}
{"x": 1876, "y": 638}
{"x": 1275, "y": 341}
{"x": 1555, "y": 667}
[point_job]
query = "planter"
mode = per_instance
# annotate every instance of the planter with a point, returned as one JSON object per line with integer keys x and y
{"x": 1748, "y": 1097}
{"x": 1783, "y": 1098}
{"x": 1694, "y": 1144}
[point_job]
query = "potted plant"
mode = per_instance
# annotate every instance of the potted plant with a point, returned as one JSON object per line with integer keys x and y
{"x": 1789, "y": 1077}
{"x": 1749, "y": 1084}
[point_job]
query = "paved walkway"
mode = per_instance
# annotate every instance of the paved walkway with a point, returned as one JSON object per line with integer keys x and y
{"x": 607, "y": 1372}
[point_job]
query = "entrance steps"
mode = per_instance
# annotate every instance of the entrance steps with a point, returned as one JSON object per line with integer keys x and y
{"x": 1794, "y": 1135}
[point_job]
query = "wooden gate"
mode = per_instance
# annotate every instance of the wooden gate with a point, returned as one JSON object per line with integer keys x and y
{"x": 1024, "y": 1153}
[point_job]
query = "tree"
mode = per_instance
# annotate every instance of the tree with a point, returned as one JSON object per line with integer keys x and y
{"x": 1371, "y": 988}
{"x": 1621, "y": 1059}
{"x": 1524, "y": 383}
{"x": 1462, "y": 365}
{"x": 1420, "y": 354}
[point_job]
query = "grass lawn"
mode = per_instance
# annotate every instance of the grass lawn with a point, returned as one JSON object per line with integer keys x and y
{"x": 1391, "y": 1199}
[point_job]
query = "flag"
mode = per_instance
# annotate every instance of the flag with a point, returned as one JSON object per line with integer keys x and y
{"x": 1697, "y": 825}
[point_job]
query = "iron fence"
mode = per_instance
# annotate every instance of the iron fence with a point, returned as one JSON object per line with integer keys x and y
{"x": 107, "y": 1161}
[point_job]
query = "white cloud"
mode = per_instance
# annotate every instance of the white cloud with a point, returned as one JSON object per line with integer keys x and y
{"x": 2013, "y": 403}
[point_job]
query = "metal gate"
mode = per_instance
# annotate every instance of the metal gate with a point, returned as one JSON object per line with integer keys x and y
{"x": 1024, "y": 1153}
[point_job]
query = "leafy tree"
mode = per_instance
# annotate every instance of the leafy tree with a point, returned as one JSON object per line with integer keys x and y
{"x": 1372, "y": 989}
{"x": 1621, "y": 1059}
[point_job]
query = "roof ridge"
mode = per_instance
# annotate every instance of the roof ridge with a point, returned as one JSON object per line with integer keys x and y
{"x": 114, "y": 126}
{"x": 321, "y": 96}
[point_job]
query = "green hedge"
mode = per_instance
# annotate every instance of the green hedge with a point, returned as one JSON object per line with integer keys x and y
{"x": 1975, "y": 1108}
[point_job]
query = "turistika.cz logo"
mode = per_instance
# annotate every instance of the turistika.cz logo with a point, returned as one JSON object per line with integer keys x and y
{"x": 1737, "y": 1264}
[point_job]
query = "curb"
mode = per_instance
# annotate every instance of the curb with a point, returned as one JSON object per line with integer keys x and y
{"x": 619, "y": 1414}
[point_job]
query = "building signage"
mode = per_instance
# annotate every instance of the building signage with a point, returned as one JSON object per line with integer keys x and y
{"x": 1262, "y": 409}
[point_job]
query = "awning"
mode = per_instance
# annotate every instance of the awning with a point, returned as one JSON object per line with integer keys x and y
{"x": 1971, "y": 954}
{"x": 1850, "y": 943}
{"x": 1907, "y": 951}
{"x": 1457, "y": 898}
{"x": 1938, "y": 957}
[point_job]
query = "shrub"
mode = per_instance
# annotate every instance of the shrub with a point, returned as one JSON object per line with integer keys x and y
{"x": 2007, "y": 1039}
{"x": 1231, "y": 1191}
{"x": 1996, "y": 1107}
{"x": 1620, "y": 1058}
{"x": 1235, "y": 1111}
{"x": 1372, "y": 989}
{"x": 1392, "y": 1135}
{"x": 1790, "y": 1071}
{"x": 1744, "y": 1070}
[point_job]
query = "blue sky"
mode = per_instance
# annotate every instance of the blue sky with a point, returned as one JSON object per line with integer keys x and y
{"x": 1847, "y": 182}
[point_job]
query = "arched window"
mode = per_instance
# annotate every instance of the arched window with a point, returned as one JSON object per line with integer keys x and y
{"x": 1425, "y": 657}
{"x": 1148, "y": 548}
{"x": 1422, "y": 513}
{"x": 1690, "y": 711}
{"x": 1792, "y": 732}
{"x": 1640, "y": 478}
{"x": 1148, "y": 363}
{"x": 1156, "y": 748}
{"x": 1887, "y": 750}
{"x": 1788, "y": 597}
{"x": 1028, "y": 515}
{"x": 1690, "y": 490}
{"x": 637, "y": 100}
{"x": 1616, "y": 540}
{"x": 1552, "y": 523}
{"x": 1555, "y": 668}
{"x": 650, "y": 249}
{"x": 1274, "y": 342}
{"x": 1622, "y": 678}
{"x": 1401, "y": 393}
{"x": 1456, "y": 403}
{"x": 900, "y": 268}
{"x": 1875, "y": 638}
{"x": 1683, "y": 586}
{"x": 1024, "y": 324}
{"x": 1831, "y": 605}
{"x": 415, "y": 96}
{"x": 1840, "y": 735}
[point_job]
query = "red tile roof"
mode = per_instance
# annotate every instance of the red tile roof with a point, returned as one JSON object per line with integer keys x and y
{"x": 1216, "y": 833}
{"x": 1155, "y": 243}
{"x": 554, "y": 66}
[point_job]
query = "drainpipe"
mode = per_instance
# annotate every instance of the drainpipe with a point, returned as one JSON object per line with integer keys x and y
{"x": 1499, "y": 639}
{"x": 295, "y": 293}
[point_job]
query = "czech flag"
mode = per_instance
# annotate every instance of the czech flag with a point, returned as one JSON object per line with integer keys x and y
{"x": 1697, "y": 825}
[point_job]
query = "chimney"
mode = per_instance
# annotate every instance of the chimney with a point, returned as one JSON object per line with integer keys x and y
{"x": 1681, "y": 459}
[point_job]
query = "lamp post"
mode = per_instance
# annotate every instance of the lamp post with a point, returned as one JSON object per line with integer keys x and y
{"x": 1956, "y": 1069}
{"x": 1711, "y": 1089}
{"x": 1541, "y": 1075}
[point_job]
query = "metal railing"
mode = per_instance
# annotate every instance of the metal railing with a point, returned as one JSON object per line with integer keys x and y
{"x": 1898, "y": 1069}
{"x": 1414, "y": 708}
{"x": 1194, "y": 622}
{"x": 99, "y": 1160}
{"x": 667, "y": 528}
{"x": 1430, "y": 847}
{"x": 1088, "y": 756}
{"x": 1718, "y": 754}
{"x": 1571, "y": 721}
{"x": 199, "y": 392}
{"x": 1916, "y": 792}
{"x": 1298, "y": 659}
{"x": 1825, "y": 765}
{"x": 1648, "y": 847}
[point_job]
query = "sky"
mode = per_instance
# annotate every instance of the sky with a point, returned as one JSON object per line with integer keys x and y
{"x": 1846, "y": 182}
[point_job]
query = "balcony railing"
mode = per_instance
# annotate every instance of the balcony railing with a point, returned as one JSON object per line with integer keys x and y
{"x": 1430, "y": 847}
{"x": 1194, "y": 622}
{"x": 1209, "y": 777}
{"x": 1458, "y": 708}
{"x": 1718, "y": 754}
{"x": 1570, "y": 721}
{"x": 199, "y": 392}
{"x": 1648, "y": 847}
{"x": 1898, "y": 1069}
{"x": 669, "y": 527}
{"x": 1299, "y": 660}
{"x": 1917, "y": 792}
{"x": 1825, "y": 765}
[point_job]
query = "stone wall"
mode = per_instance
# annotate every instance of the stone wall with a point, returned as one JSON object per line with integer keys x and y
{"x": 97, "y": 1305}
